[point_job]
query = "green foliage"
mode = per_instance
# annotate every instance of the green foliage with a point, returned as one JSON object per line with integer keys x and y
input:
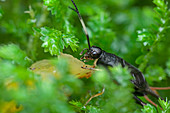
{"x": 153, "y": 39}
{"x": 54, "y": 41}
{"x": 115, "y": 99}
{"x": 155, "y": 73}
{"x": 61, "y": 12}
{"x": 47, "y": 95}
{"x": 12, "y": 71}
{"x": 151, "y": 109}
{"x": 30, "y": 28}
{"x": 9, "y": 52}
{"x": 79, "y": 107}
{"x": 165, "y": 105}
{"x": 168, "y": 68}
{"x": 1, "y": 12}
{"x": 156, "y": 34}
{"x": 100, "y": 28}
{"x": 57, "y": 7}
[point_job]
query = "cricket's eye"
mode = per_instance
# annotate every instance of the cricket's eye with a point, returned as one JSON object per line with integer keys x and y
{"x": 95, "y": 54}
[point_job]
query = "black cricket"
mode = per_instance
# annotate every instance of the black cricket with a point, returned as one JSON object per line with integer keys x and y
{"x": 110, "y": 60}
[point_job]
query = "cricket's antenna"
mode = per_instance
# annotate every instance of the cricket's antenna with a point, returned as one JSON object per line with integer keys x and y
{"x": 82, "y": 22}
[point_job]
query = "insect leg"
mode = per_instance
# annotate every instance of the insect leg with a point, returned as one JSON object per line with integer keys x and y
{"x": 149, "y": 100}
{"x": 83, "y": 51}
{"x": 96, "y": 95}
{"x": 94, "y": 69}
{"x": 152, "y": 93}
{"x": 159, "y": 88}
{"x": 139, "y": 101}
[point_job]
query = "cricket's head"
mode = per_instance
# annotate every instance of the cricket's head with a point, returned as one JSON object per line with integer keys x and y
{"x": 92, "y": 53}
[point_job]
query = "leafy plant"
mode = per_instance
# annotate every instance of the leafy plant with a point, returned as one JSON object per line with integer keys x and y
{"x": 153, "y": 37}
{"x": 164, "y": 105}
{"x": 54, "y": 41}
{"x": 1, "y": 12}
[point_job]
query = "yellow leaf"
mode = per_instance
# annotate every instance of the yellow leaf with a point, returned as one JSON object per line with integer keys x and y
{"x": 45, "y": 67}
{"x": 75, "y": 66}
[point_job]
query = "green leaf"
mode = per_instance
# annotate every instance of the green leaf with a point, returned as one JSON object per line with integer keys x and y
{"x": 155, "y": 73}
{"x": 99, "y": 27}
{"x": 165, "y": 105}
{"x": 157, "y": 33}
{"x": 54, "y": 41}
{"x": 161, "y": 4}
{"x": 122, "y": 75}
{"x": 168, "y": 67}
{"x": 139, "y": 59}
{"x": 115, "y": 100}
{"x": 13, "y": 53}
{"x": 76, "y": 103}
{"x": 146, "y": 37}
{"x": 1, "y": 12}
{"x": 149, "y": 109}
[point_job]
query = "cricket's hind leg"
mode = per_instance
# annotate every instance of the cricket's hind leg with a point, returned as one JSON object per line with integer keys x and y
{"x": 144, "y": 92}
{"x": 159, "y": 88}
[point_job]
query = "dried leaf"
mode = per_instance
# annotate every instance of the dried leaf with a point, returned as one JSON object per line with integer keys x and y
{"x": 45, "y": 67}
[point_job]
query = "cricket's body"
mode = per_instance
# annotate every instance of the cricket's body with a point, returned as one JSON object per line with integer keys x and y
{"x": 110, "y": 60}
